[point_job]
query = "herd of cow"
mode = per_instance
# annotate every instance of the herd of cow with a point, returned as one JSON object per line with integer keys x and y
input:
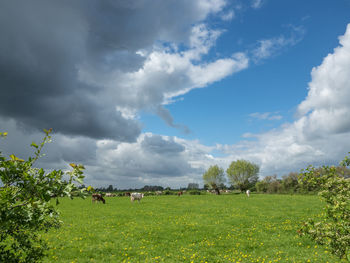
{"x": 133, "y": 196}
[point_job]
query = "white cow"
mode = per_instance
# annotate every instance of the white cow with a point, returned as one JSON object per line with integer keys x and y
{"x": 248, "y": 193}
{"x": 136, "y": 196}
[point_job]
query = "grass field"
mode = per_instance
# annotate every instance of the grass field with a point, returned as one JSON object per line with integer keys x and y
{"x": 205, "y": 228}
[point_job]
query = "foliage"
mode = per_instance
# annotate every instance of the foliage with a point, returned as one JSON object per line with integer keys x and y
{"x": 194, "y": 192}
{"x": 341, "y": 171}
{"x": 290, "y": 183}
{"x": 152, "y": 188}
{"x": 270, "y": 185}
{"x": 193, "y": 186}
{"x": 243, "y": 174}
{"x": 169, "y": 192}
{"x": 262, "y": 186}
{"x": 214, "y": 176}
{"x": 149, "y": 193}
{"x": 25, "y": 207}
{"x": 333, "y": 228}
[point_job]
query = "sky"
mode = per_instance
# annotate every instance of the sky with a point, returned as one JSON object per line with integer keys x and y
{"x": 154, "y": 92}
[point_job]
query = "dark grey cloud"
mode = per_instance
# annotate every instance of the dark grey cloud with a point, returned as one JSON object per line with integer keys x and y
{"x": 166, "y": 116}
{"x": 152, "y": 158}
{"x": 46, "y": 46}
{"x": 42, "y": 44}
{"x": 156, "y": 144}
{"x": 57, "y": 155}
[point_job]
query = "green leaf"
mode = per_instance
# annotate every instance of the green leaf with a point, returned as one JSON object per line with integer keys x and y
{"x": 79, "y": 180}
{"x": 14, "y": 158}
{"x": 34, "y": 145}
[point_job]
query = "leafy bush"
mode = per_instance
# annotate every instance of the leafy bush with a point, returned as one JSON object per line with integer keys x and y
{"x": 194, "y": 192}
{"x": 333, "y": 228}
{"x": 25, "y": 207}
{"x": 148, "y": 193}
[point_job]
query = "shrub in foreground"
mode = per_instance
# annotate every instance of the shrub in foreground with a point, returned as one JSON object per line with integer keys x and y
{"x": 333, "y": 227}
{"x": 25, "y": 207}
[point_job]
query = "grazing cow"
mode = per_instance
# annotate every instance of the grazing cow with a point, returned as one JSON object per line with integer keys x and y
{"x": 180, "y": 193}
{"x": 248, "y": 193}
{"x": 159, "y": 192}
{"x": 127, "y": 194}
{"x": 98, "y": 197}
{"x": 136, "y": 196}
{"x": 110, "y": 195}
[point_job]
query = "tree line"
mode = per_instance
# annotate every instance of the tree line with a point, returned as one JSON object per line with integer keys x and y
{"x": 243, "y": 175}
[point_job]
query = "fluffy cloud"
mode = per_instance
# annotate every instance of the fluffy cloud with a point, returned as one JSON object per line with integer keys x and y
{"x": 326, "y": 108}
{"x": 320, "y": 134}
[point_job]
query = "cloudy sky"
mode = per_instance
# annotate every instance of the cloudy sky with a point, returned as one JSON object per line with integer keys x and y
{"x": 153, "y": 92}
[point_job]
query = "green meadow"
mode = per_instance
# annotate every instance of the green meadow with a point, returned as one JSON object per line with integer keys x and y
{"x": 203, "y": 228}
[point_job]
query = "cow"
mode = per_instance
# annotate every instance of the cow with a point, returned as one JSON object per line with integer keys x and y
{"x": 248, "y": 192}
{"x": 159, "y": 192}
{"x": 127, "y": 194}
{"x": 136, "y": 196}
{"x": 180, "y": 193}
{"x": 98, "y": 197}
{"x": 110, "y": 195}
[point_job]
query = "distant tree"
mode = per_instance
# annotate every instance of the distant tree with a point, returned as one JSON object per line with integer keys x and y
{"x": 290, "y": 182}
{"x": 270, "y": 185}
{"x": 110, "y": 188}
{"x": 262, "y": 186}
{"x": 231, "y": 187}
{"x": 206, "y": 186}
{"x": 214, "y": 176}
{"x": 152, "y": 188}
{"x": 222, "y": 186}
{"x": 243, "y": 174}
{"x": 192, "y": 186}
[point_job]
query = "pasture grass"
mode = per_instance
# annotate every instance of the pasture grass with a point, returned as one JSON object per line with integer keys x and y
{"x": 204, "y": 228}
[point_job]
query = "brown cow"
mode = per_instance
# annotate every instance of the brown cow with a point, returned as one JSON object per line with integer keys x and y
{"x": 127, "y": 194}
{"x": 98, "y": 197}
{"x": 180, "y": 193}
